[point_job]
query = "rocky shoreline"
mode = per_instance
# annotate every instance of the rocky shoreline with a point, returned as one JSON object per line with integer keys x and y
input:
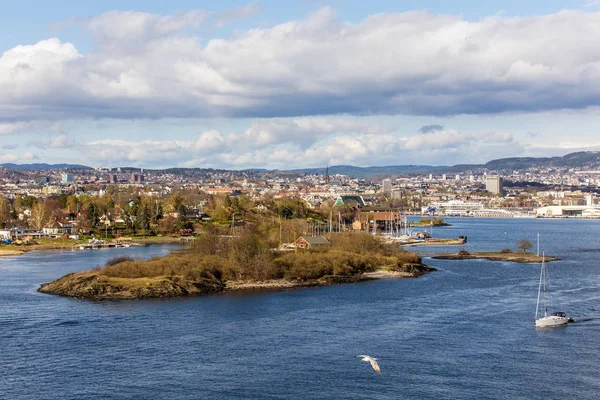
{"x": 94, "y": 286}
{"x": 436, "y": 242}
{"x": 510, "y": 257}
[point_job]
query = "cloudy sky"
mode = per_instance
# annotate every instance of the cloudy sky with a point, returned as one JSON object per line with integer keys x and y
{"x": 304, "y": 83}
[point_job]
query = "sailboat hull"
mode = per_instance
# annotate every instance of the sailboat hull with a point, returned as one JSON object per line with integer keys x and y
{"x": 551, "y": 321}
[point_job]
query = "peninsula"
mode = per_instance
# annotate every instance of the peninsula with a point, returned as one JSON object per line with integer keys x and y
{"x": 216, "y": 264}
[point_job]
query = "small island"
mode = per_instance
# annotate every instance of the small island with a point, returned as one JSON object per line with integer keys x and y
{"x": 437, "y": 221}
{"x": 245, "y": 261}
{"x": 429, "y": 241}
{"x": 504, "y": 255}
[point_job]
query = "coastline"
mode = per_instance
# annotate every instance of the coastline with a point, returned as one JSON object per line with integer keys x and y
{"x": 93, "y": 286}
{"x": 11, "y": 252}
{"x": 16, "y": 250}
{"x": 495, "y": 256}
{"x": 436, "y": 242}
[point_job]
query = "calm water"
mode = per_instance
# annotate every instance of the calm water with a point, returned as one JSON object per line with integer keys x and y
{"x": 463, "y": 332}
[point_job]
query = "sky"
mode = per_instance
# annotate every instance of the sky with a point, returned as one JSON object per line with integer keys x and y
{"x": 301, "y": 83}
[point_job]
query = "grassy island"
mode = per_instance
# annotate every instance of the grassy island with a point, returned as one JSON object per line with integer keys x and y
{"x": 215, "y": 264}
{"x": 429, "y": 222}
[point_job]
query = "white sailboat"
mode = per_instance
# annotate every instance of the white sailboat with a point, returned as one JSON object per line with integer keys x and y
{"x": 544, "y": 319}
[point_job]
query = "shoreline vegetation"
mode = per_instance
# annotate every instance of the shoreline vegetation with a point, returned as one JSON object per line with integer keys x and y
{"x": 10, "y": 251}
{"x": 216, "y": 264}
{"x": 69, "y": 244}
{"x": 503, "y": 255}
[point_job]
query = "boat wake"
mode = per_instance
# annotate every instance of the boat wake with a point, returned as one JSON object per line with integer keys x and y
{"x": 585, "y": 321}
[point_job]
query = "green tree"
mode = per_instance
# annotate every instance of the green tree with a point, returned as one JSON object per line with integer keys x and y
{"x": 144, "y": 215}
{"x": 92, "y": 214}
{"x": 72, "y": 203}
{"x": 174, "y": 202}
{"x": 181, "y": 213}
{"x": 22, "y": 203}
{"x": 158, "y": 212}
{"x": 5, "y": 211}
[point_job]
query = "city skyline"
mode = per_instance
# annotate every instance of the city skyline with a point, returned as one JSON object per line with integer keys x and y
{"x": 258, "y": 85}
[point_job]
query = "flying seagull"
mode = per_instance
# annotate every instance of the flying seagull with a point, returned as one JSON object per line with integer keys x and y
{"x": 372, "y": 360}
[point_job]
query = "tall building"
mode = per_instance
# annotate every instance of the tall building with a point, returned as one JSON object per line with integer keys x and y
{"x": 137, "y": 178}
{"x": 67, "y": 178}
{"x": 386, "y": 186}
{"x": 493, "y": 184}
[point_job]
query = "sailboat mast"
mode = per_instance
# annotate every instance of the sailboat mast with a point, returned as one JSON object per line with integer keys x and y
{"x": 537, "y": 306}
{"x": 545, "y": 304}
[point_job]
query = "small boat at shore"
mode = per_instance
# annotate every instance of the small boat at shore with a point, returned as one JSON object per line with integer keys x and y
{"x": 543, "y": 318}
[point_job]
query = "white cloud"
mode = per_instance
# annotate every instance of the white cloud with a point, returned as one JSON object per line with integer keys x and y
{"x": 60, "y": 141}
{"x": 18, "y": 158}
{"x": 9, "y": 157}
{"x": 137, "y": 152}
{"x": 113, "y": 28}
{"x": 150, "y": 66}
{"x": 20, "y": 127}
{"x": 305, "y": 131}
{"x": 357, "y": 146}
{"x": 208, "y": 141}
{"x": 436, "y": 140}
{"x": 14, "y": 127}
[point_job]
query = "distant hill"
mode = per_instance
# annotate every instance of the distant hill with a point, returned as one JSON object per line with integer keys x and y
{"x": 584, "y": 160}
{"x": 367, "y": 172}
{"x": 40, "y": 167}
{"x": 581, "y": 160}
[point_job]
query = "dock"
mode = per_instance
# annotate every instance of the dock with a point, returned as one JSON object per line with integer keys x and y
{"x": 101, "y": 244}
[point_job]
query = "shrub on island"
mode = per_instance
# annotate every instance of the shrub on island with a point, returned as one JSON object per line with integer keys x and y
{"x": 247, "y": 257}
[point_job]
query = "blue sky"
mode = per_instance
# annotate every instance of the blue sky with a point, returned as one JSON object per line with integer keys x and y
{"x": 292, "y": 84}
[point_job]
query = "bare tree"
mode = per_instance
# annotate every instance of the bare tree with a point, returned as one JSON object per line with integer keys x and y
{"x": 39, "y": 215}
{"x": 524, "y": 245}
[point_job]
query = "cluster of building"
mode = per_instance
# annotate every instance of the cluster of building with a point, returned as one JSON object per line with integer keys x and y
{"x": 520, "y": 194}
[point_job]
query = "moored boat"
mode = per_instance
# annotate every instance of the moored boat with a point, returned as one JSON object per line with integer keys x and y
{"x": 543, "y": 318}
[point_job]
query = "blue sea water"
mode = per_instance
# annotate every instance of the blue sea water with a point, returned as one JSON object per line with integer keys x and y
{"x": 463, "y": 332}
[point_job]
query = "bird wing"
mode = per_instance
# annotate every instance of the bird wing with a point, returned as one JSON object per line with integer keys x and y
{"x": 375, "y": 366}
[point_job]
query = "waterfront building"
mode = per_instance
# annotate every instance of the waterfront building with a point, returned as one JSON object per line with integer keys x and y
{"x": 568, "y": 211}
{"x": 453, "y": 207}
